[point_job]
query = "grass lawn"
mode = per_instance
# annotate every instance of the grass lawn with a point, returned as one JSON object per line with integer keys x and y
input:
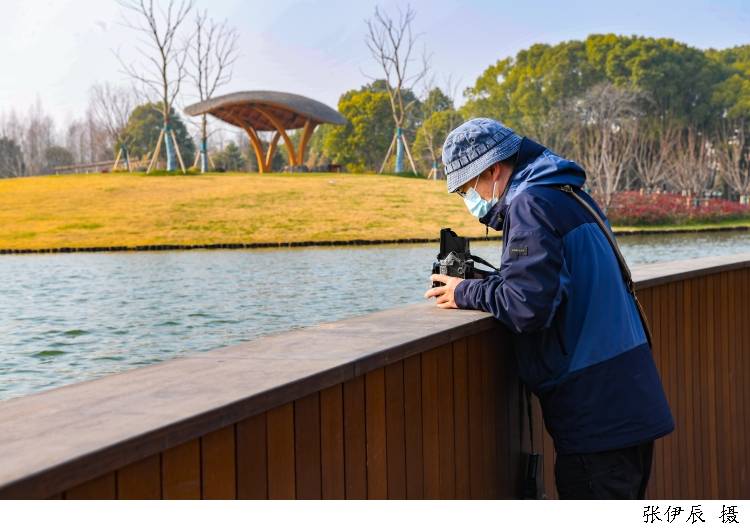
{"x": 133, "y": 209}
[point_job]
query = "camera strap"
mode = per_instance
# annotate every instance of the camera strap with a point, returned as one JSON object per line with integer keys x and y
{"x": 529, "y": 415}
{"x": 483, "y": 262}
{"x": 530, "y": 487}
{"x": 624, "y": 269}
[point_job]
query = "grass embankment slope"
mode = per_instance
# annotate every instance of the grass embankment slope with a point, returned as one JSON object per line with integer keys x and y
{"x": 104, "y": 210}
{"x": 99, "y": 210}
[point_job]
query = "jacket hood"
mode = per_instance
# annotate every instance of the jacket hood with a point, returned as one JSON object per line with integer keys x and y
{"x": 536, "y": 165}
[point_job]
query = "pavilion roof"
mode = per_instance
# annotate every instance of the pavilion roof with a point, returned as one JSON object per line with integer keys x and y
{"x": 251, "y": 109}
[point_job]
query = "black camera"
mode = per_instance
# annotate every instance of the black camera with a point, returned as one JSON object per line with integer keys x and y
{"x": 456, "y": 260}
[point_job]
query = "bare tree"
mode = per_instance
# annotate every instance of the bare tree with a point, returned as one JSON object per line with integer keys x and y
{"x": 212, "y": 54}
{"x": 12, "y": 130}
{"x": 110, "y": 107}
{"x": 653, "y": 154}
{"x": 33, "y": 132}
{"x": 87, "y": 141}
{"x": 604, "y": 137}
{"x": 161, "y": 68}
{"x": 38, "y": 136}
{"x": 11, "y": 158}
{"x": 694, "y": 163}
{"x": 439, "y": 117}
{"x": 391, "y": 43}
{"x": 733, "y": 153}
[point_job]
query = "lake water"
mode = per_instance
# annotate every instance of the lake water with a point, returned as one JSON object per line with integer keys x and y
{"x": 72, "y": 317}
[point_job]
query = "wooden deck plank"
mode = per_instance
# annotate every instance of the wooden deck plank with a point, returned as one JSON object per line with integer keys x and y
{"x": 140, "y": 480}
{"x": 280, "y": 445}
{"x": 101, "y": 488}
{"x": 413, "y": 427}
{"x": 395, "y": 437}
{"x": 731, "y": 381}
{"x": 355, "y": 441}
{"x": 430, "y": 446}
{"x": 706, "y": 413}
{"x": 218, "y": 478}
{"x": 476, "y": 463}
{"x": 725, "y": 416}
{"x": 677, "y": 353}
{"x": 461, "y": 418}
{"x": 252, "y": 458}
{"x": 307, "y": 447}
{"x": 377, "y": 466}
{"x": 696, "y": 381}
{"x": 489, "y": 417}
{"x": 712, "y": 295}
{"x": 684, "y": 325}
{"x": 676, "y": 391}
{"x": 446, "y": 425}
{"x": 181, "y": 471}
{"x": 332, "y": 442}
{"x": 744, "y": 368}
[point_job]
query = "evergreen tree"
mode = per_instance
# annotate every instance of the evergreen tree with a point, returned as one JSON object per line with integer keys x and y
{"x": 145, "y": 125}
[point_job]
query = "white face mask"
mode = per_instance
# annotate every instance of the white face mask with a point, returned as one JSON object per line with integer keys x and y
{"x": 477, "y": 206}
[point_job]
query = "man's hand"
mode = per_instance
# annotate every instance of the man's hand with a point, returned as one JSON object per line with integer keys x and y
{"x": 444, "y": 293}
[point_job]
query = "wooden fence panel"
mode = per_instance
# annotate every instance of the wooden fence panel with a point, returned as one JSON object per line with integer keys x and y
{"x": 103, "y": 488}
{"x": 181, "y": 471}
{"x": 280, "y": 440}
{"x": 355, "y": 440}
{"x": 252, "y": 458}
{"x": 140, "y": 480}
{"x": 447, "y": 421}
{"x": 332, "y": 443}
{"x": 218, "y": 464}
{"x": 307, "y": 447}
{"x": 377, "y": 471}
{"x": 413, "y": 427}
{"x": 395, "y": 437}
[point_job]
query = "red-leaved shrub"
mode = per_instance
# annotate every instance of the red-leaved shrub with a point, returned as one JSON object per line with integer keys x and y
{"x": 630, "y": 208}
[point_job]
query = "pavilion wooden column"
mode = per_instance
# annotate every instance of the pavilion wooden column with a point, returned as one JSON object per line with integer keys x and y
{"x": 280, "y": 130}
{"x": 272, "y": 149}
{"x": 306, "y": 134}
{"x": 263, "y": 159}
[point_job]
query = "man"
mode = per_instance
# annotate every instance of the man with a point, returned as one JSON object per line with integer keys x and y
{"x": 577, "y": 335}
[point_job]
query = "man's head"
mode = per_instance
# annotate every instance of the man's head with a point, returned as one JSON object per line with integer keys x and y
{"x": 478, "y": 156}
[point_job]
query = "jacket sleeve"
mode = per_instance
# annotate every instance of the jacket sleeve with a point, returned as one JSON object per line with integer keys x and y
{"x": 533, "y": 279}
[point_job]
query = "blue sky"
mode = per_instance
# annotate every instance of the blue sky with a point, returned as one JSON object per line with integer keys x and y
{"x": 57, "y": 49}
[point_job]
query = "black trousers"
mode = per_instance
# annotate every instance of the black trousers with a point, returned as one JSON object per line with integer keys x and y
{"x": 613, "y": 474}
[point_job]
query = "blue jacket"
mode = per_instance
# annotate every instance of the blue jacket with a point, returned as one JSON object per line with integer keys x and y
{"x": 577, "y": 335}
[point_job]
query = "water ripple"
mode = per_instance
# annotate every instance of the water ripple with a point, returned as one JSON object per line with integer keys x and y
{"x": 74, "y": 317}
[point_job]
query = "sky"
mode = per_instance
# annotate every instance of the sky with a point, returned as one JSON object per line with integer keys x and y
{"x": 54, "y": 50}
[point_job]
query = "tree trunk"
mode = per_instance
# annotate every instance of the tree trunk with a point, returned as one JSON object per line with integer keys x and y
{"x": 169, "y": 146}
{"x": 399, "y": 166}
{"x": 204, "y": 145}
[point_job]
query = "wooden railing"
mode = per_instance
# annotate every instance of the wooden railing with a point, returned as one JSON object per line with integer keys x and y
{"x": 412, "y": 402}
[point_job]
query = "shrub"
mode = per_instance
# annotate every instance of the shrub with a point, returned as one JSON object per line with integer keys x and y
{"x": 630, "y": 208}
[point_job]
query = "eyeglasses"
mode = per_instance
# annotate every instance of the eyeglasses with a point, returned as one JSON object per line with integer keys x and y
{"x": 462, "y": 194}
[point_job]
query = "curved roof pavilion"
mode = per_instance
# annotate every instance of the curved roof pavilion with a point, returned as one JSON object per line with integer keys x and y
{"x": 263, "y": 110}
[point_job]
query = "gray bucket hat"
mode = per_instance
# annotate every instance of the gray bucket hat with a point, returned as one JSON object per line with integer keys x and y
{"x": 474, "y": 146}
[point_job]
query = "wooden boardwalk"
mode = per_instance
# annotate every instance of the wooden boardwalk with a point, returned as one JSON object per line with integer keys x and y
{"x": 412, "y": 402}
